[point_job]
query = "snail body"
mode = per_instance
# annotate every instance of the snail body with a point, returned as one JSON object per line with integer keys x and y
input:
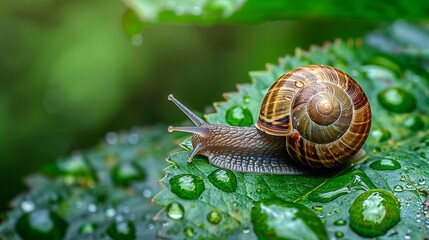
{"x": 312, "y": 117}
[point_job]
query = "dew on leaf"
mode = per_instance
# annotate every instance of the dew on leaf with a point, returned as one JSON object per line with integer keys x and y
{"x": 111, "y": 138}
{"x": 87, "y": 228}
{"x": 239, "y": 116}
{"x": 339, "y": 234}
{"x": 223, "y": 179}
{"x": 402, "y": 178}
{"x": 421, "y": 181}
{"x": 398, "y": 188}
{"x": 374, "y": 212}
{"x": 414, "y": 123}
{"x": 409, "y": 185}
{"x": 175, "y": 211}
{"x": 318, "y": 208}
{"x": 385, "y": 164}
{"x": 124, "y": 173}
{"x": 122, "y": 230}
{"x": 131, "y": 23}
{"x": 110, "y": 212}
{"x": 92, "y": 208}
{"x": 341, "y": 185}
{"x": 187, "y": 186}
{"x": 381, "y": 134}
{"x": 147, "y": 193}
{"x": 41, "y": 224}
{"x": 189, "y": 232}
{"x": 246, "y": 99}
{"x": 133, "y": 138}
{"x": 340, "y": 222}
{"x": 214, "y": 216}
{"x": 286, "y": 220}
{"x": 27, "y": 206}
{"x": 397, "y": 99}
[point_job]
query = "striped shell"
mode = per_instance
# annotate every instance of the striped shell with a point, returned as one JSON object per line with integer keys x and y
{"x": 323, "y": 113}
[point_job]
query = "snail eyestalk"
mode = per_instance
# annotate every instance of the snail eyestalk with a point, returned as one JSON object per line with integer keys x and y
{"x": 203, "y": 132}
{"x": 194, "y": 152}
{"x": 194, "y": 118}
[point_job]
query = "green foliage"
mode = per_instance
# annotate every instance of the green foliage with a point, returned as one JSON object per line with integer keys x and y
{"x": 105, "y": 192}
{"x": 256, "y": 11}
{"x": 396, "y": 160}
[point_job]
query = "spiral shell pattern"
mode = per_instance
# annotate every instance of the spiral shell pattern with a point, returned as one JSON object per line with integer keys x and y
{"x": 322, "y": 111}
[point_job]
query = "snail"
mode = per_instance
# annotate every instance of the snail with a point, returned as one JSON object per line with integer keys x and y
{"x": 312, "y": 118}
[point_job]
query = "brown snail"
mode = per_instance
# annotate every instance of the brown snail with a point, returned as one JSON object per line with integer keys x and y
{"x": 312, "y": 117}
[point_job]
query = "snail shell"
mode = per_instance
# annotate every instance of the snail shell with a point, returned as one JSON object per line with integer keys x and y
{"x": 313, "y": 117}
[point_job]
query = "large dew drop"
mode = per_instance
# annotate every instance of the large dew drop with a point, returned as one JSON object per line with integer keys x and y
{"x": 41, "y": 224}
{"x": 223, "y": 179}
{"x": 239, "y": 116}
{"x": 275, "y": 219}
{"x": 374, "y": 212}
{"x": 397, "y": 99}
{"x": 341, "y": 185}
{"x": 187, "y": 186}
{"x": 385, "y": 164}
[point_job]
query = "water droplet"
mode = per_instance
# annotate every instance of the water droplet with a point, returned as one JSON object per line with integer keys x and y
{"x": 421, "y": 181}
{"x": 110, "y": 212}
{"x": 223, "y": 179}
{"x": 133, "y": 138}
{"x": 187, "y": 186}
{"x": 409, "y": 185}
{"x": 339, "y": 234}
{"x": 397, "y": 99}
{"x": 385, "y": 164}
{"x": 381, "y": 134}
{"x": 214, "y": 216}
{"x": 124, "y": 173}
{"x": 131, "y": 23}
{"x": 122, "y": 230}
{"x": 246, "y": 99}
{"x": 111, "y": 138}
{"x": 414, "y": 123}
{"x": 92, "y": 208}
{"x": 341, "y": 185}
{"x": 137, "y": 40}
{"x": 27, "y": 206}
{"x": 175, "y": 211}
{"x": 407, "y": 235}
{"x": 318, "y": 208}
{"x": 402, "y": 178}
{"x": 87, "y": 228}
{"x": 246, "y": 230}
{"x": 189, "y": 232}
{"x": 147, "y": 193}
{"x": 239, "y": 116}
{"x": 340, "y": 222}
{"x": 150, "y": 226}
{"x": 41, "y": 224}
{"x": 374, "y": 212}
{"x": 286, "y": 220}
{"x": 398, "y": 188}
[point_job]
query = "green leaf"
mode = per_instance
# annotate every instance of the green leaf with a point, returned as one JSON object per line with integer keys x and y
{"x": 105, "y": 191}
{"x": 397, "y": 154}
{"x": 255, "y": 11}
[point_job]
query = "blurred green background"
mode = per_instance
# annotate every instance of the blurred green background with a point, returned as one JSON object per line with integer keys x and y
{"x": 69, "y": 75}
